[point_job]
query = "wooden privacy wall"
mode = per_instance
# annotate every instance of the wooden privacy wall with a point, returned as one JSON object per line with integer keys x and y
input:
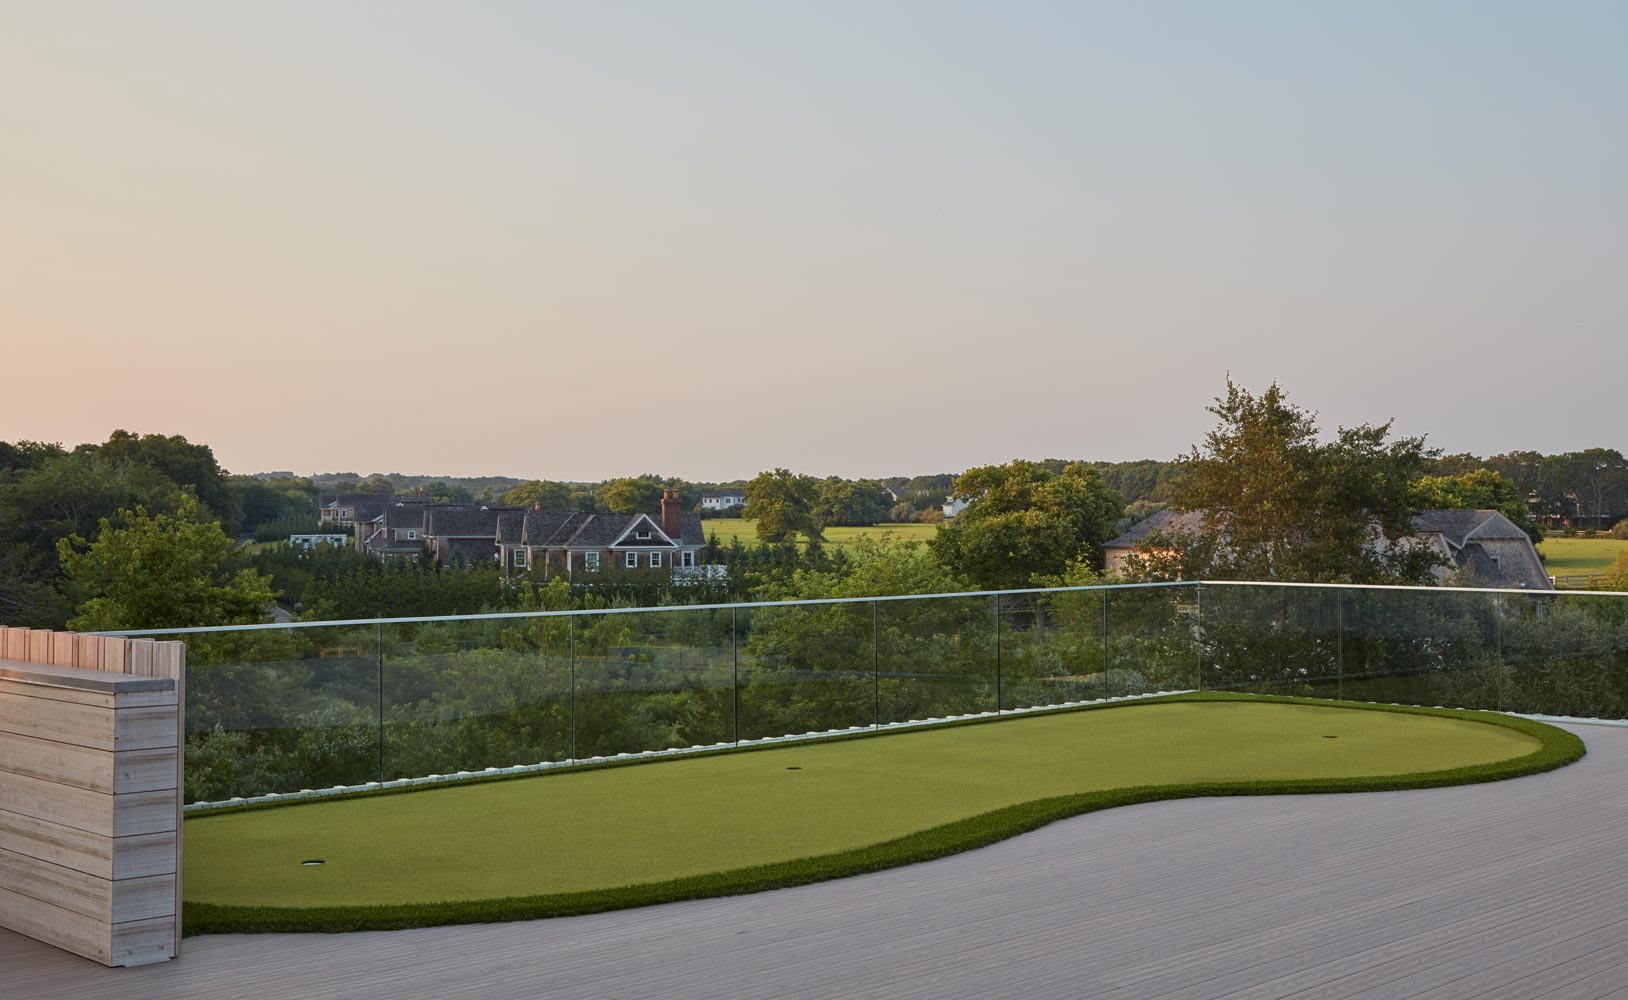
{"x": 92, "y": 734}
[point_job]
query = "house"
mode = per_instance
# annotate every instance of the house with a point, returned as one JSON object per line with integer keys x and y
{"x": 462, "y": 534}
{"x": 543, "y": 543}
{"x": 953, "y": 505}
{"x": 397, "y": 532}
{"x": 1482, "y": 548}
{"x": 723, "y": 500}
{"x": 1117, "y": 552}
{"x": 347, "y": 509}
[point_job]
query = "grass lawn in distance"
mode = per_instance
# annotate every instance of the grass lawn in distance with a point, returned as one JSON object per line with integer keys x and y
{"x": 681, "y": 828}
{"x": 1564, "y": 556}
{"x": 730, "y": 528}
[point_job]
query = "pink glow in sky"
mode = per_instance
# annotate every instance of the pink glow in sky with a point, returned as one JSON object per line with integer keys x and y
{"x": 576, "y": 241}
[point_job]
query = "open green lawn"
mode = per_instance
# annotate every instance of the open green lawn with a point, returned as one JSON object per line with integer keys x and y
{"x": 730, "y": 528}
{"x": 736, "y": 821}
{"x": 1580, "y": 555}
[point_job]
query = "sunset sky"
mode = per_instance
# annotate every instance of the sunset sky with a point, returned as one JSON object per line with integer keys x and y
{"x": 703, "y": 238}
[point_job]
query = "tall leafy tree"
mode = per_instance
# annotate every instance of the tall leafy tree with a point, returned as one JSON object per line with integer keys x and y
{"x": 783, "y": 504}
{"x": 161, "y": 571}
{"x": 1278, "y": 503}
{"x": 542, "y": 493}
{"x": 640, "y": 495}
{"x": 1025, "y": 522}
{"x": 1479, "y": 489}
{"x": 851, "y": 504}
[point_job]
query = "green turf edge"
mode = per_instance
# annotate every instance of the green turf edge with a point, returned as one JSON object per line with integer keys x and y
{"x": 1557, "y": 749}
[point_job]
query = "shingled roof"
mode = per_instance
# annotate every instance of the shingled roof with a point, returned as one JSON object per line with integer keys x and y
{"x": 1168, "y": 520}
{"x": 447, "y": 521}
{"x": 552, "y": 529}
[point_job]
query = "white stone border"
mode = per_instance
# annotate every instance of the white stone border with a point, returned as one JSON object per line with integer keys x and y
{"x": 551, "y": 765}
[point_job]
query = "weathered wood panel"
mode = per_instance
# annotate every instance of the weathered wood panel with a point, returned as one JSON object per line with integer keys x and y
{"x": 90, "y": 796}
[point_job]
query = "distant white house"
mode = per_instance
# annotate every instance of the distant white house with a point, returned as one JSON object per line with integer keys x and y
{"x": 953, "y": 505}
{"x": 723, "y": 500}
{"x": 312, "y": 541}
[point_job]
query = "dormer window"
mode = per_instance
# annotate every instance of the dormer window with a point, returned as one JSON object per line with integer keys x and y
{"x": 643, "y": 536}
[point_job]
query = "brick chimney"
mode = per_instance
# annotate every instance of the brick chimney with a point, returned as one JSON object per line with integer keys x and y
{"x": 672, "y": 512}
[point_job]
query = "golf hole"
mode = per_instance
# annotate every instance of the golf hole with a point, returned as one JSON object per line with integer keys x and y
{"x": 794, "y": 769}
{"x": 1331, "y": 737}
{"x": 312, "y": 863}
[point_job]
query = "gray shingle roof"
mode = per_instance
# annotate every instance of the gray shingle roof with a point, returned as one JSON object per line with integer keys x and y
{"x": 448, "y": 521}
{"x": 571, "y": 529}
{"x": 1167, "y": 520}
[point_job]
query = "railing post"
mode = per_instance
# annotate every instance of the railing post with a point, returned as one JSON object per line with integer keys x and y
{"x": 1498, "y": 649}
{"x": 571, "y": 654}
{"x": 735, "y": 672}
{"x": 997, "y": 654}
{"x": 1339, "y": 644}
{"x": 1199, "y": 629}
{"x": 876, "y": 670}
{"x": 1106, "y": 666}
{"x": 378, "y": 663}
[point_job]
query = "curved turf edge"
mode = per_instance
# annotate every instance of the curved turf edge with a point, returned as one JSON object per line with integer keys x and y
{"x": 1557, "y": 749}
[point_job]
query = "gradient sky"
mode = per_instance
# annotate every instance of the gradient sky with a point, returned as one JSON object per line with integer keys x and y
{"x": 704, "y": 238}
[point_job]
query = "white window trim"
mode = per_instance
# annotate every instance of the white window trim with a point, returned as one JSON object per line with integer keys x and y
{"x": 631, "y": 561}
{"x": 590, "y": 561}
{"x": 642, "y": 535}
{"x": 655, "y": 560}
{"x": 689, "y": 559}
{"x": 519, "y": 557}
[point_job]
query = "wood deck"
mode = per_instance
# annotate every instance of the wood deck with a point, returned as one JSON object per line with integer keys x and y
{"x": 1517, "y": 889}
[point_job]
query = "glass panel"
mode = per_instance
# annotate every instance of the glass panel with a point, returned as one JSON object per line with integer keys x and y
{"x": 1051, "y": 648}
{"x": 1422, "y": 647}
{"x": 1565, "y": 654}
{"x": 1153, "y": 640}
{"x": 1272, "y": 640}
{"x": 935, "y": 657}
{"x": 653, "y": 680}
{"x": 468, "y": 695}
{"x": 806, "y": 668}
{"x": 279, "y": 710}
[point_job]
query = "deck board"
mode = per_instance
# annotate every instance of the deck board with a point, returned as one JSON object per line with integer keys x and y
{"x": 1516, "y": 889}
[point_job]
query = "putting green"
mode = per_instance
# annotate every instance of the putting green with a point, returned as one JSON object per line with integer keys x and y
{"x": 575, "y": 833}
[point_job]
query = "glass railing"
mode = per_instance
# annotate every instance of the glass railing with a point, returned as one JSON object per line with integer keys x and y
{"x": 281, "y": 708}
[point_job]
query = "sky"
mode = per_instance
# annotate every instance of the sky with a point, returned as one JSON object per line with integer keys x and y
{"x": 575, "y": 241}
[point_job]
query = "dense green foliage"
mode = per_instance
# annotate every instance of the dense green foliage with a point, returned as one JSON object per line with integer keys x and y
{"x": 1025, "y": 522}
{"x": 1478, "y": 489}
{"x": 1279, "y": 503}
{"x": 161, "y": 571}
{"x": 783, "y": 502}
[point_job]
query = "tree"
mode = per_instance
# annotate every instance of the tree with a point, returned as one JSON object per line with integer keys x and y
{"x": 541, "y": 493}
{"x": 632, "y": 496}
{"x": 1616, "y": 578}
{"x": 850, "y": 504}
{"x": 783, "y": 504}
{"x": 1478, "y": 489}
{"x": 1279, "y": 504}
{"x": 184, "y": 463}
{"x": 161, "y": 571}
{"x": 1024, "y": 522}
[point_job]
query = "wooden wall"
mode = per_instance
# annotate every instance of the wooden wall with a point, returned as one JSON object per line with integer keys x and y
{"x": 91, "y": 770}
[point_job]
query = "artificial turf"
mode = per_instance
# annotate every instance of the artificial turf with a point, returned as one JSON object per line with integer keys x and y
{"x": 681, "y": 828}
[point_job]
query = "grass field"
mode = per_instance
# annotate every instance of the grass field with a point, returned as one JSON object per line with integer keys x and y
{"x": 730, "y": 528}
{"x": 600, "y": 839}
{"x": 1579, "y": 555}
